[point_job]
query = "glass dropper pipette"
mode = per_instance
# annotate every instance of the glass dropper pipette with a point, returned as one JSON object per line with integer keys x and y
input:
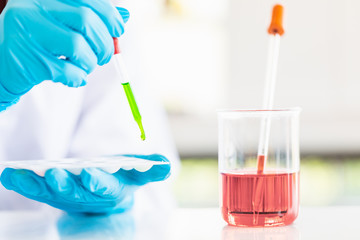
{"x": 125, "y": 82}
{"x": 275, "y": 30}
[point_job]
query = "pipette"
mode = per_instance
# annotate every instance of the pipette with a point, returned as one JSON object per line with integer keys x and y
{"x": 276, "y": 31}
{"x": 124, "y": 78}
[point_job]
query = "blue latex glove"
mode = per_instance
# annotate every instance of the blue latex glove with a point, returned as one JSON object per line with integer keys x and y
{"x": 93, "y": 191}
{"x": 35, "y": 36}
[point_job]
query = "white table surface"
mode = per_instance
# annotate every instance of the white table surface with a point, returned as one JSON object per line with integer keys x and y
{"x": 338, "y": 222}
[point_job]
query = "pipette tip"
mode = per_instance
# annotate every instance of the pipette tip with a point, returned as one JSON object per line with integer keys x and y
{"x": 261, "y": 164}
{"x": 141, "y": 130}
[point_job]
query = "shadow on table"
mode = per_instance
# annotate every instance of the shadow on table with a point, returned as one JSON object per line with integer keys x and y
{"x": 278, "y": 233}
{"x": 115, "y": 226}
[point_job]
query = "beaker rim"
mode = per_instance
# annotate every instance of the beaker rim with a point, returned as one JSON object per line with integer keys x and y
{"x": 261, "y": 111}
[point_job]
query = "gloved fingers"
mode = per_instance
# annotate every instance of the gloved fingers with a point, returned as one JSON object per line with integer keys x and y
{"x": 28, "y": 72}
{"x": 72, "y": 195}
{"x": 26, "y": 183}
{"x": 102, "y": 184}
{"x": 124, "y": 14}
{"x": 60, "y": 182}
{"x": 42, "y": 67}
{"x": 51, "y": 38}
{"x": 108, "y": 14}
{"x": 67, "y": 73}
{"x": 85, "y": 21}
{"x": 62, "y": 190}
{"x": 109, "y": 188}
{"x": 67, "y": 188}
{"x": 155, "y": 173}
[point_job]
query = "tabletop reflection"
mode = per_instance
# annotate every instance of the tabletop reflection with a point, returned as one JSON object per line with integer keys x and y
{"x": 269, "y": 233}
{"x": 115, "y": 226}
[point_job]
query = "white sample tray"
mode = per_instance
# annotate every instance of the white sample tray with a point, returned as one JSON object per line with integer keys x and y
{"x": 75, "y": 165}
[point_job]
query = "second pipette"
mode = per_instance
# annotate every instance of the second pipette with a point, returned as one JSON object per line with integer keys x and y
{"x": 275, "y": 30}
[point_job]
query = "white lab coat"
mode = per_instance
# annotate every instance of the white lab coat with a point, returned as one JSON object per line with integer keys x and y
{"x": 55, "y": 121}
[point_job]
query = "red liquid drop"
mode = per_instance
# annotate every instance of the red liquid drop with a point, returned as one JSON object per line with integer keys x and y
{"x": 267, "y": 199}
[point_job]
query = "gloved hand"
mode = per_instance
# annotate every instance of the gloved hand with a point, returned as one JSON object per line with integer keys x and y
{"x": 93, "y": 191}
{"x": 54, "y": 40}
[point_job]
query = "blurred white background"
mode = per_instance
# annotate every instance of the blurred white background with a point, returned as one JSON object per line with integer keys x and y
{"x": 201, "y": 55}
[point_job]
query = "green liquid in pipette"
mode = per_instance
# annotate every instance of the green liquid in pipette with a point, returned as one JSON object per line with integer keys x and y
{"x": 134, "y": 108}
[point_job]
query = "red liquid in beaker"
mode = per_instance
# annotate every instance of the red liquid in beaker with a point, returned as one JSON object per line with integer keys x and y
{"x": 267, "y": 199}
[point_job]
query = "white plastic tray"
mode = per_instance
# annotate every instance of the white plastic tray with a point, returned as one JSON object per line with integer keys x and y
{"x": 75, "y": 165}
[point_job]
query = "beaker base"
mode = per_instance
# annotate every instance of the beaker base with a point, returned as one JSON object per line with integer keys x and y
{"x": 258, "y": 219}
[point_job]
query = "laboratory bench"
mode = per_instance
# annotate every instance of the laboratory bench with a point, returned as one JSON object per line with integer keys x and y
{"x": 313, "y": 223}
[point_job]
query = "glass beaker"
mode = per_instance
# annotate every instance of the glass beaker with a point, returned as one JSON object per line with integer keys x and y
{"x": 251, "y": 196}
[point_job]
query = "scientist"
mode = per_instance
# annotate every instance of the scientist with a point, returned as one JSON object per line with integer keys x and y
{"x": 50, "y": 108}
